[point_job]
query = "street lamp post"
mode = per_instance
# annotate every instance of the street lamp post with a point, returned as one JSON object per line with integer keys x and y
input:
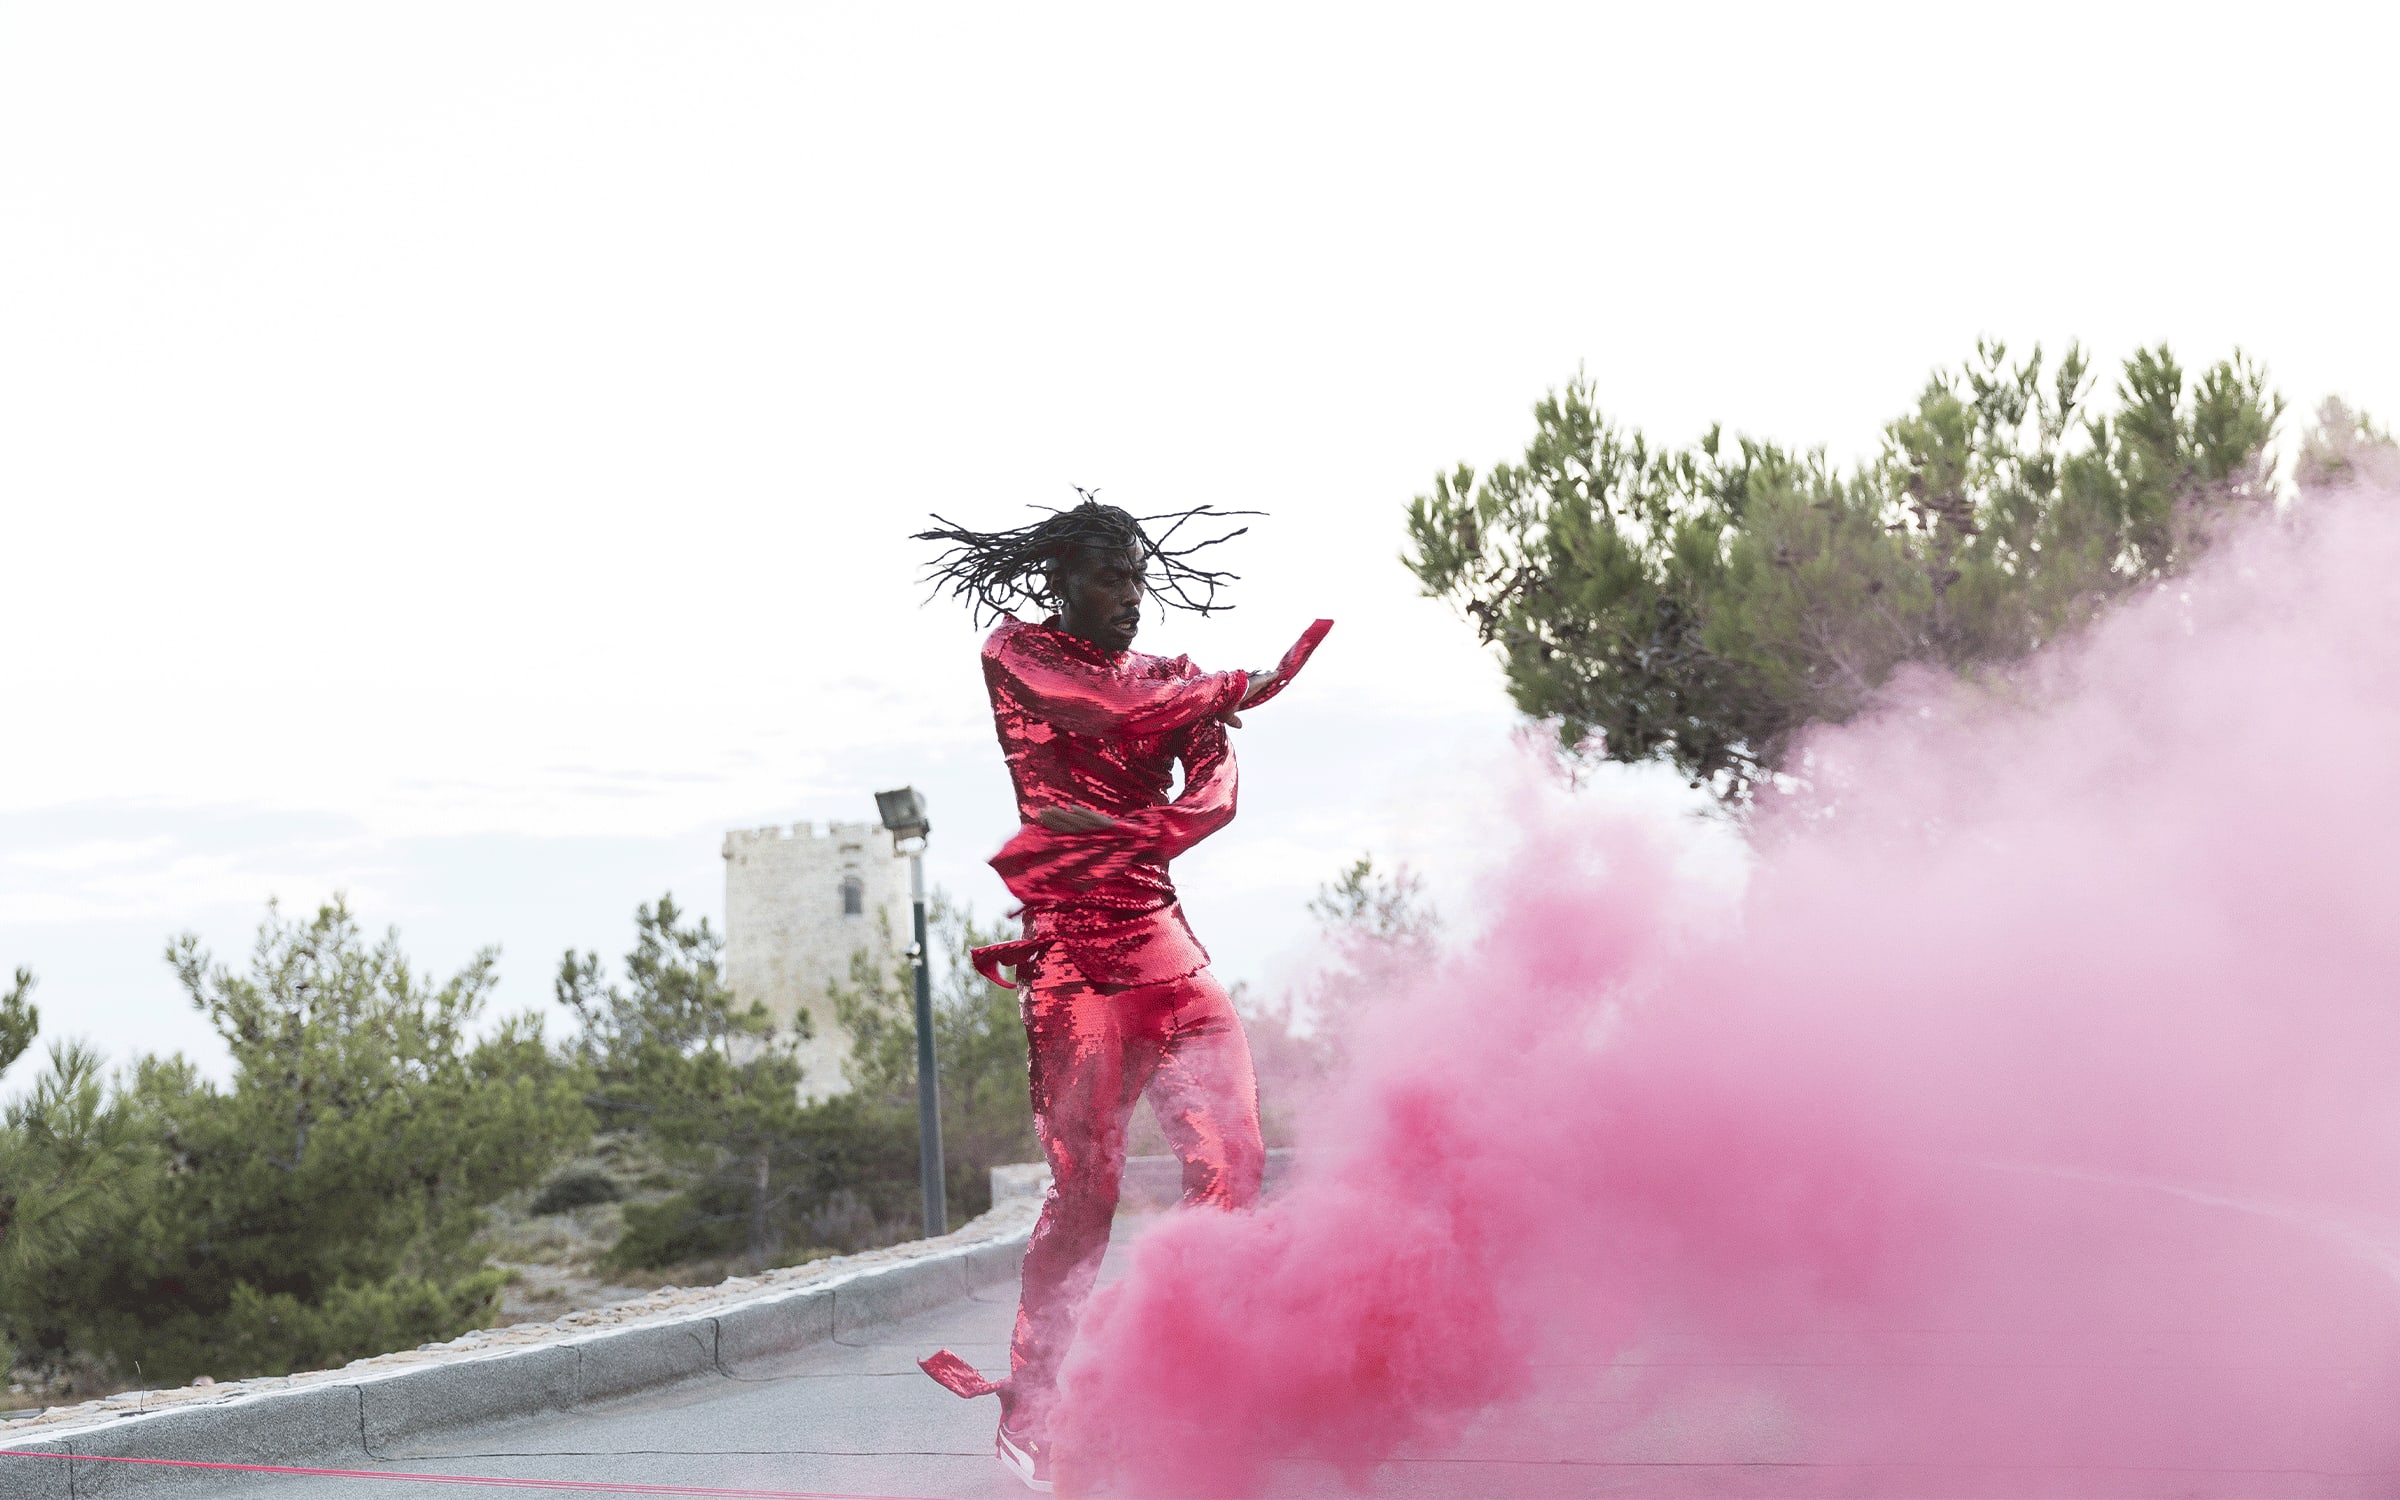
{"x": 903, "y": 812}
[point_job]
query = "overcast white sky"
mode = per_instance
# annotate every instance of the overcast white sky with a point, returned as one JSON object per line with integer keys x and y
{"x": 463, "y": 454}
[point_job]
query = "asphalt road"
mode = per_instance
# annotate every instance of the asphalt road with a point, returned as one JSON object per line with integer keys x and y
{"x": 848, "y": 1419}
{"x": 859, "y": 1419}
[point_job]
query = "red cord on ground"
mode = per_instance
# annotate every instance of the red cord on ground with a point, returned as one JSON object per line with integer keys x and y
{"x": 486, "y": 1481}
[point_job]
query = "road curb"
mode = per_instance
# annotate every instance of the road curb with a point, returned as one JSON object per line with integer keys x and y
{"x": 358, "y": 1415}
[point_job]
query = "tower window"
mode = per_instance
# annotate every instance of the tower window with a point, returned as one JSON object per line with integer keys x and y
{"x": 854, "y": 896}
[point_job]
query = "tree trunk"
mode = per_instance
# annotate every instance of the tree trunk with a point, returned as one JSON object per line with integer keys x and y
{"x": 761, "y": 1243}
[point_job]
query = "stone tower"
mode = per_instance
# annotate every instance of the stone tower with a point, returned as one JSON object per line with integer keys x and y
{"x": 798, "y": 905}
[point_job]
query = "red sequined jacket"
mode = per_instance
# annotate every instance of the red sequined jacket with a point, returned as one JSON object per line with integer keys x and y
{"x": 1084, "y": 727}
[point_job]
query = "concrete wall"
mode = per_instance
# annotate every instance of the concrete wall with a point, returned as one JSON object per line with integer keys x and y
{"x": 787, "y": 935}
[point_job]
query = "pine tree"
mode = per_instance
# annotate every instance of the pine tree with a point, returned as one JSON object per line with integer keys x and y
{"x": 1705, "y": 605}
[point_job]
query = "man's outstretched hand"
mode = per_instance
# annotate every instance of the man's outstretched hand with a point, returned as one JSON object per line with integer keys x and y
{"x": 1259, "y": 683}
{"x": 1073, "y": 819}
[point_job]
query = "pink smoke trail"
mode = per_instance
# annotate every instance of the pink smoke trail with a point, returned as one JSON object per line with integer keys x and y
{"x": 2033, "y": 1126}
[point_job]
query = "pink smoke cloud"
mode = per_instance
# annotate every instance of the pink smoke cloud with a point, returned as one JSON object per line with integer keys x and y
{"x": 2031, "y": 1124}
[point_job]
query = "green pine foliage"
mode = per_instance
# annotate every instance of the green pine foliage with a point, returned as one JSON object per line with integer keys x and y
{"x": 709, "y": 1081}
{"x": 20, "y": 1019}
{"x": 979, "y": 1059}
{"x": 1705, "y": 605}
{"x": 763, "y": 1179}
{"x": 577, "y": 1188}
{"x": 324, "y": 1203}
{"x": 73, "y": 1163}
{"x": 318, "y": 1208}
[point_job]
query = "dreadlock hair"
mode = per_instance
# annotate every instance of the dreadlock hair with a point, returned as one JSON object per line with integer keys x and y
{"x": 995, "y": 571}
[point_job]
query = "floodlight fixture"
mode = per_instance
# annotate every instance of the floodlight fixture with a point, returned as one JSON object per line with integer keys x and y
{"x": 903, "y": 812}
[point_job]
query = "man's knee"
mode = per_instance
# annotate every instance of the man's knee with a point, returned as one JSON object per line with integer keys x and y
{"x": 1084, "y": 1195}
{"x": 1228, "y": 1171}
{"x": 1247, "y": 1168}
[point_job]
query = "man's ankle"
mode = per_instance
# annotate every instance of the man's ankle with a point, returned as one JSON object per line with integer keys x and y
{"x": 1024, "y": 1412}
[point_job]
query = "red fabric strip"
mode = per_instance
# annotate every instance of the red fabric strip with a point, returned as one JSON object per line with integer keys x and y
{"x": 1294, "y": 660}
{"x": 955, "y": 1374}
{"x": 992, "y": 957}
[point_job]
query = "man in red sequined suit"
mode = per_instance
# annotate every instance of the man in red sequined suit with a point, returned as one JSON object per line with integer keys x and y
{"x": 1116, "y": 993}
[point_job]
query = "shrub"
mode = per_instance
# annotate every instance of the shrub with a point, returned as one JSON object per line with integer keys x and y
{"x": 578, "y": 1187}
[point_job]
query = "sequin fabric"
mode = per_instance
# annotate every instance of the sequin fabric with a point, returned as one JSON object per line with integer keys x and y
{"x": 1115, "y": 991}
{"x": 1082, "y": 727}
{"x": 1094, "y": 1050}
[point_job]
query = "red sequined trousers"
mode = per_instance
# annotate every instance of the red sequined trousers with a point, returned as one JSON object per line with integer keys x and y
{"x": 1094, "y": 1050}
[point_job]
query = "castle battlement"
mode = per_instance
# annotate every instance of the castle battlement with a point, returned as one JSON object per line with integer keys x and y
{"x": 802, "y": 900}
{"x": 836, "y": 832}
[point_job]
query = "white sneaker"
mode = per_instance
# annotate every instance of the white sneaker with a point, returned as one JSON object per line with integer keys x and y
{"x": 1026, "y": 1457}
